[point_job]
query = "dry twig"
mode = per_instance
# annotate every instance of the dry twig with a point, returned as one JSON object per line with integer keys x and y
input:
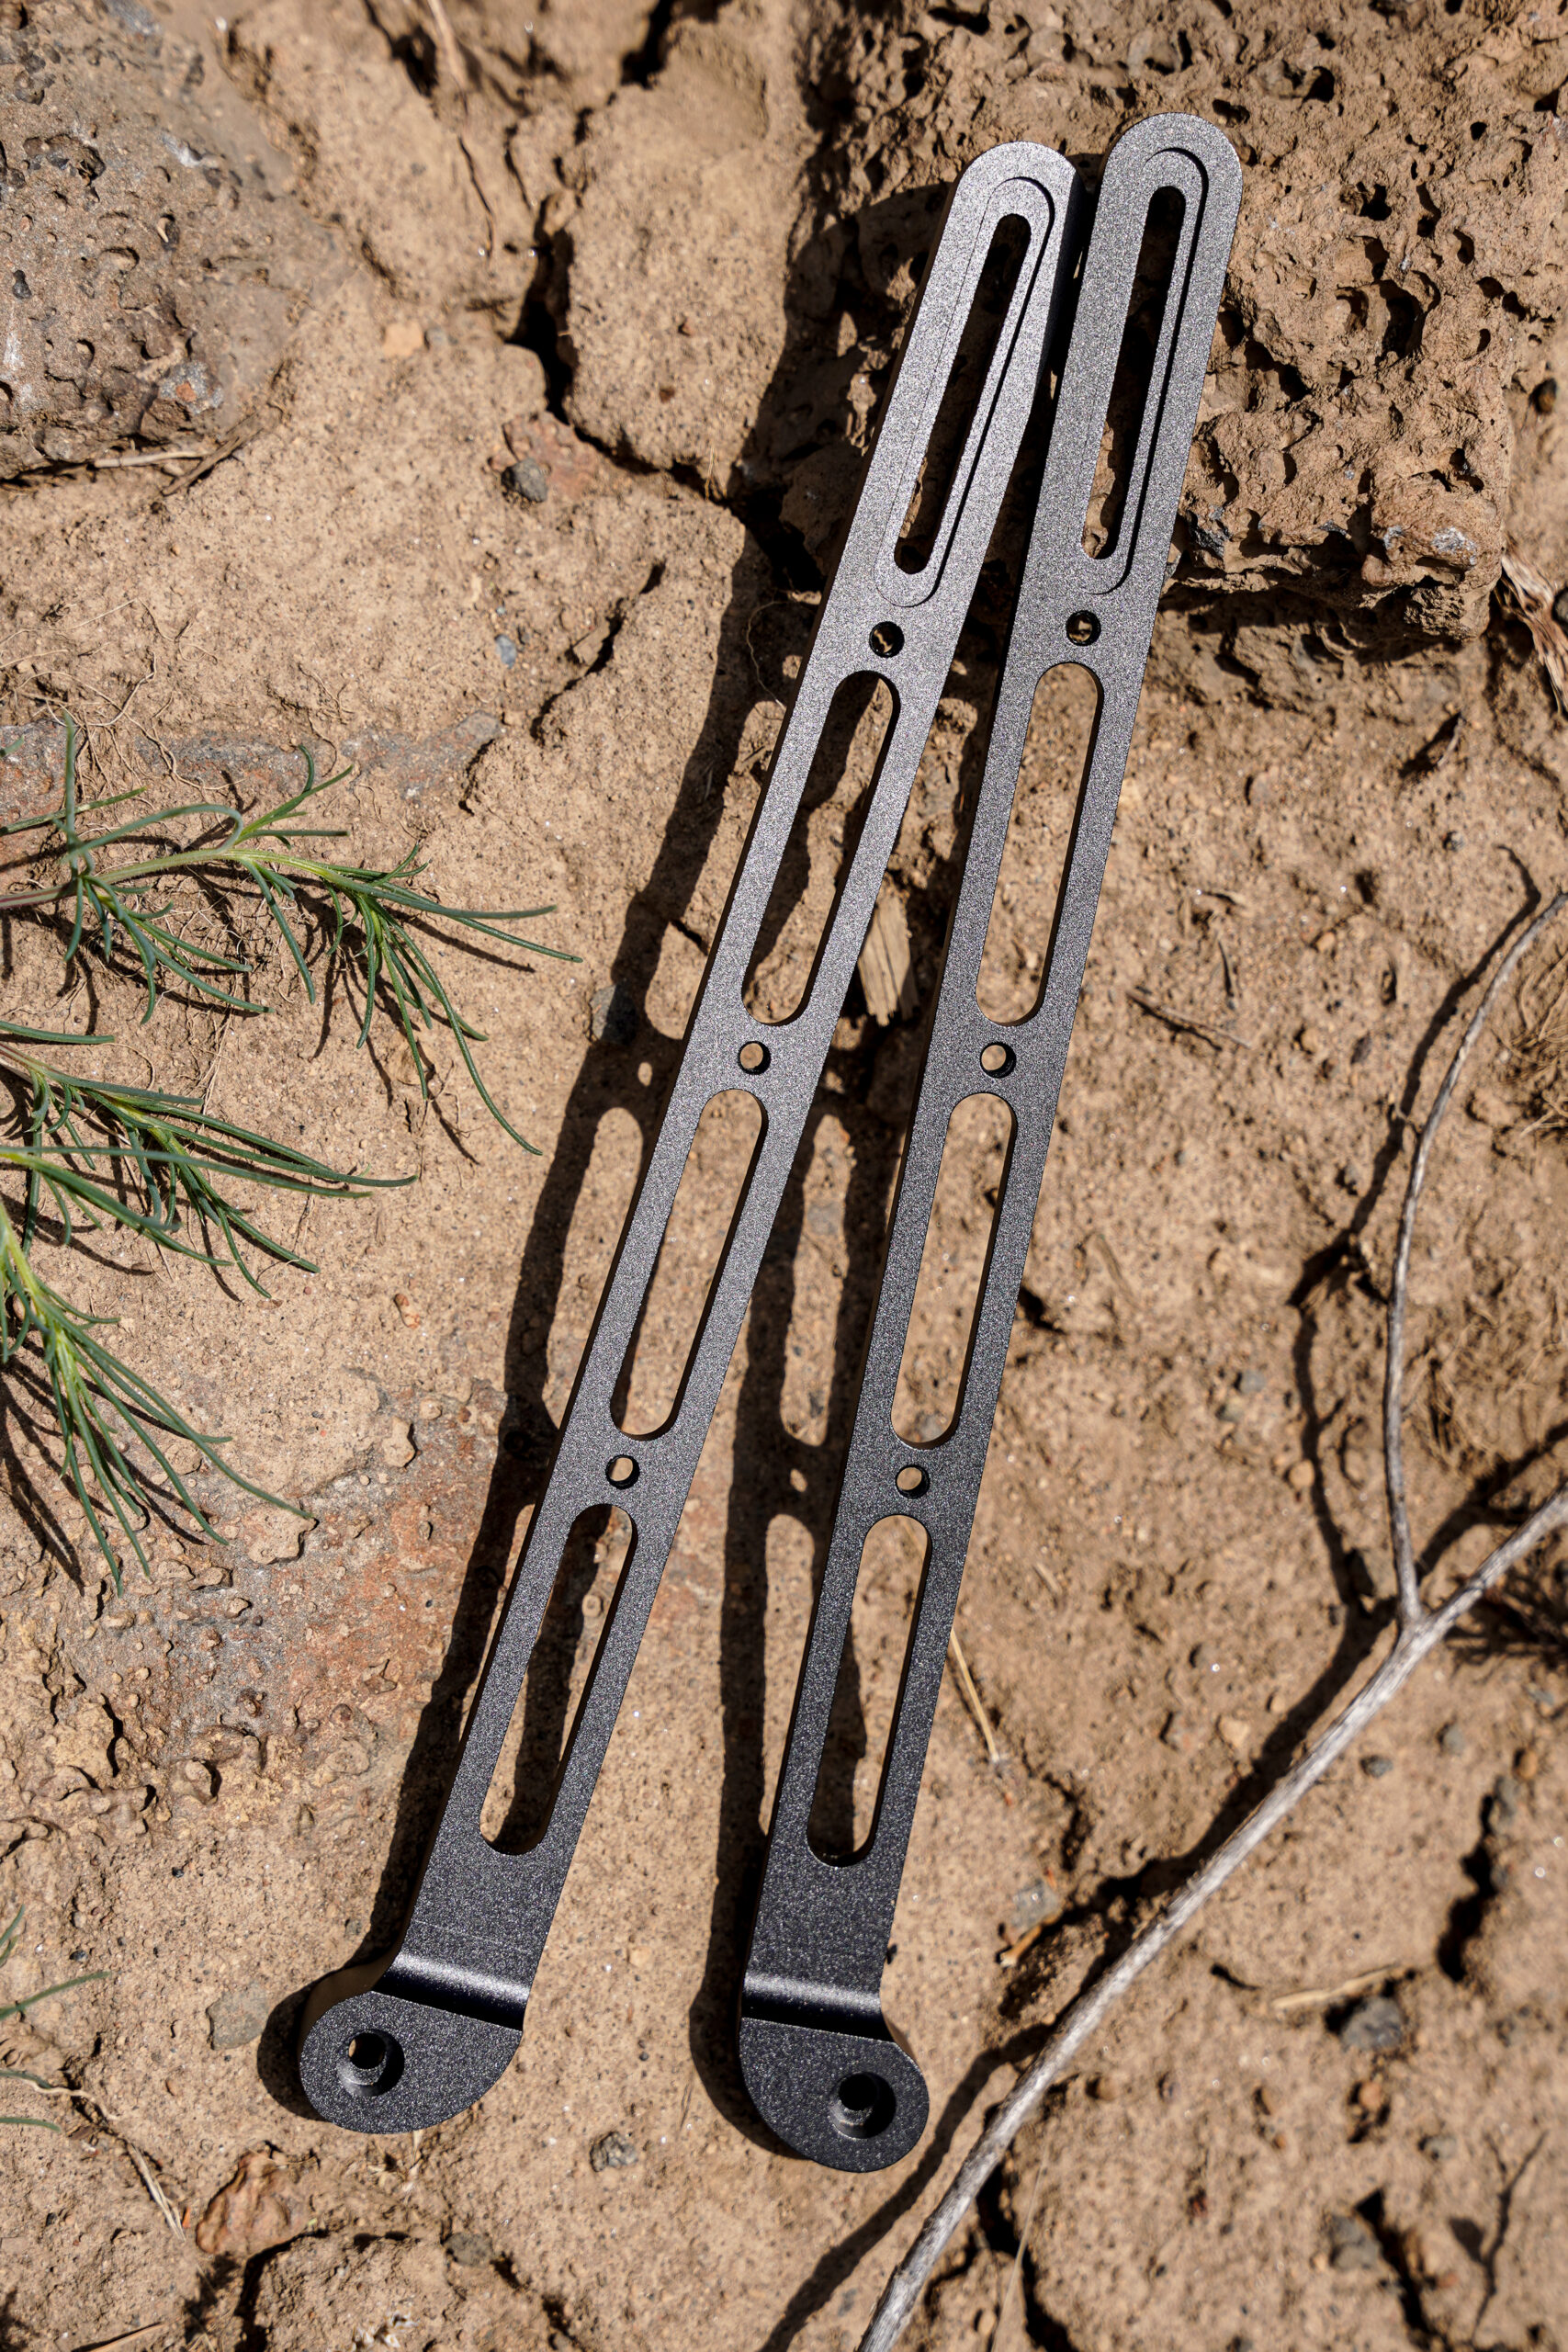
{"x": 1175, "y": 1020}
{"x": 1419, "y": 1631}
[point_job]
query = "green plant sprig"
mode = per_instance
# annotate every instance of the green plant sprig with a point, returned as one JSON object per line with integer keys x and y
{"x": 171, "y": 1162}
{"x": 100, "y": 1405}
{"x": 171, "y": 1157}
{"x": 369, "y": 912}
{"x": 8, "y": 1939}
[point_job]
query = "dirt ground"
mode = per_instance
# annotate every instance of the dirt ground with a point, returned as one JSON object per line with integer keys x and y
{"x": 535, "y": 353}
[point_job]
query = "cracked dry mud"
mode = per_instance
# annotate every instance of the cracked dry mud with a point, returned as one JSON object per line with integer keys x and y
{"x": 663, "y": 262}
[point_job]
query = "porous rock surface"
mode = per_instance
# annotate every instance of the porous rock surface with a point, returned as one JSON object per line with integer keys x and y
{"x": 154, "y": 264}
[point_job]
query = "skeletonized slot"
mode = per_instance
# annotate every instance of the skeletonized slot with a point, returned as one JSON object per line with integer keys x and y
{"x": 952, "y": 1263}
{"x": 707, "y": 1201}
{"x": 971, "y": 366}
{"x": 528, "y": 1771}
{"x": 821, "y": 844}
{"x": 871, "y": 1674}
{"x": 1056, "y": 755}
{"x": 1134, "y": 372}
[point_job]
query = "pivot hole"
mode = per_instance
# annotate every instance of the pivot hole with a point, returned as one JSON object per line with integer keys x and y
{"x": 369, "y": 2064}
{"x": 862, "y": 2107}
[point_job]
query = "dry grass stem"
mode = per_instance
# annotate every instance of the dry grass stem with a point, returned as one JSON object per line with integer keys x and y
{"x": 1419, "y": 1630}
{"x": 972, "y": 1698}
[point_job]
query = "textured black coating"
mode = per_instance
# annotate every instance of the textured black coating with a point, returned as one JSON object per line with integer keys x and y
{"x": 451, "y": 2000}
{"x": 410, "y": 2041}
{"x": 811, "y": 2002}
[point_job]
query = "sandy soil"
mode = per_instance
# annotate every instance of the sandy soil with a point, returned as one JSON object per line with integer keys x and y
{"x": 435, "y": 260}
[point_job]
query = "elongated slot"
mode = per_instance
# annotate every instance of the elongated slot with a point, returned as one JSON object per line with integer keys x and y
{"x": 953, "y": 1266}
{"x": 967, "y": 380}
{"x": 597, "y": 1216}
{"x": 1134, "y": 372}
{"x": 821, "y": 844}
{"x": 707, "y": 1201}
{"x": 1056, "y": 755}
{"x": 865, "y": 1697}
{"x": 543, "y": 1721}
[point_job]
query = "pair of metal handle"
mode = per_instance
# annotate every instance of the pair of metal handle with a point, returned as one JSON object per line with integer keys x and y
{"x": 407, "y": 2041}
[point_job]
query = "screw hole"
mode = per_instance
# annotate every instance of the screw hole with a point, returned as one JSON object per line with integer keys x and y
{"x": 622, "y": 1471}
{"x": 862, "y": 2107}
{"x": 753, "y": 1056}
{"x": 370, "y": 2063}
{"x": 887, "y": 638}
{"x": 997, "y": 1059}
{"x": 1083, "y": 628}
{"x": 911, "y": 1479}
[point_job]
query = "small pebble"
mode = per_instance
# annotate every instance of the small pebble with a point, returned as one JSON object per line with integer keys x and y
{"x": 506, "y": 651}
{"x": 1251, "y": 1383}
{"x": 1372, "y": 2098}
{"x": 1037, "y": 1902}
{"x": 1505, "y": 1806}
{"x": 1237, "y": 1733}
{"x": 1451, "y": 1739}
{"x": 1105, "y": 2088}
{"x": 1351, "y": 2245}
{"x": 1526, "y": 1764}
{"x": 613, "y": 2152}
{"x": 1438, "y": 2146}
{"x": 527, "y": 479}
{"x": 470, "y": 2250}
{"x": 1376, "y": 2024}
{"x": 1300, "y": 1476}
{"x": 639, "y": 1955}
{"x": 1377, "y": 1768}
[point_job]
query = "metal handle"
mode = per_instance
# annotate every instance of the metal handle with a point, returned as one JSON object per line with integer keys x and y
{"x": 819, "y": 2061}
{"x": 410, "y": 2041}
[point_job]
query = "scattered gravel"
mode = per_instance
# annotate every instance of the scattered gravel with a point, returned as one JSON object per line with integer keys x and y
{"x": 1377, "y": 2024}
{"x": 613, "y": 2152}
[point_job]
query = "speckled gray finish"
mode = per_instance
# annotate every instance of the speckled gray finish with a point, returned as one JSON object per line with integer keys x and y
{"x": 424, "y": 2035}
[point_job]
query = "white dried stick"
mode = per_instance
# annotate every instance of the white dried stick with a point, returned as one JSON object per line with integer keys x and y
{"x": 1420, "y": 1631}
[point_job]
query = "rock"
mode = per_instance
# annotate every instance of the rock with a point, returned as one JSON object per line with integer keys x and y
{"x": 1250, "y": 1384}
{"x": 506, "y": 651}
{"x": 397, "y": 1450}
{"x": 527, "y": 480}
{"x": 1451, "y": 1739}
{"x": 613, "y": 2152}
{"x": 403, "y": 338}
{"x": 1438, "y": 2146}
{"x": 1235, "y": 1731}
{"x": 1503, "y": 1810}
{"x": 271, "y": 1536}
{"x": 1351, "y": 2244}
{"x": 237, "y": 2018}
{"x": 612, "y": 1016}
{"x": 470, "y": 2250}
{"x": 1182, "y": 1734}
{"x": 260, "y": 2206}
{"x": 1377, "y": 1768}
{"x": 1376, "y": 2024}
{"x": 157, "y": 260}
{"x": 1037, "y": 1903}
